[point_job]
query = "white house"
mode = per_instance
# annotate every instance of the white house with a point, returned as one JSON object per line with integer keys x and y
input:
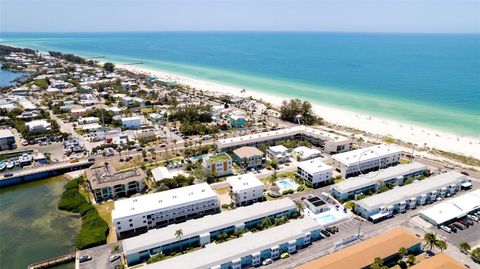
{"x": 303, "y": 153}
{"x": 246, "y": 189}
{"x": 132, "y": 101}
{"x": 131, "y": 122}
{"x": 7, "y": 140}
{"x": 88, "y": 120}
{"x": 280, "y": 153}
{"x": 38, "y": 125}
{"x": 138, "y": 214}
{"x": 314, "y": 172}
{"x": 362, "y": 161}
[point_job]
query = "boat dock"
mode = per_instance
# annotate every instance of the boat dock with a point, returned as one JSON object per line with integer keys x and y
{"x": 53, "y": 261}
{"x": 26, "y": 175}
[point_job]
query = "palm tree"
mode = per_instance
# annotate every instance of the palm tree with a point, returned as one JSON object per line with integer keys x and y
{"x": 411, "y": 259}
{"x": 300, "y": 206}
{"x": 266, "y": 222}
{"x": 442, "y": 245}
{"x": 429, "y": 240}
{"x": 179, "y": 234}
{"x": 465, "y": 247}
{"x": 403, "y": 252}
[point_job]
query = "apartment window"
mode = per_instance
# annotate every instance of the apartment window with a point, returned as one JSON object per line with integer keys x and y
{"x": 131, "y": 225}
{"x": 119, "y": 228}
{"x": 118, "y": 222}
{"x": 130, "y": 220}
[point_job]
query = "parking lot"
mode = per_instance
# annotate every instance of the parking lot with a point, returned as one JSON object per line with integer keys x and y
{"x": 100, "y": 256}
{"x": 470, "y": 235}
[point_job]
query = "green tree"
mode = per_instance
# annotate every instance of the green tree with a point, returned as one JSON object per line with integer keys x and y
{"x": 377, "y": 264}
{"x": 403, "y": 252}
{"x": 411, "y": 259}
{"x": 156, "y": 258}
{"x": 429, "y": 240}
{"x": 441, "y": 244}
{"x": 300, "y": 206}
{"x": 109, "y": 67}
{"x": 179, "y": 234}
{"x": 266, "y": 222}
{"x": 465, "y": 247}
{"x": 475, "y": 254}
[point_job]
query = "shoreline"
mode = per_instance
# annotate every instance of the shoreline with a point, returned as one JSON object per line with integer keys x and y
{"x": 407, "y": 132}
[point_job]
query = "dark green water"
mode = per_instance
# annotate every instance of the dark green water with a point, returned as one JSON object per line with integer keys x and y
{"x": 31, "y": 226}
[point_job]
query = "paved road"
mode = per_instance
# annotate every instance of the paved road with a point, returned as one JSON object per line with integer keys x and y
{"x": 100, "y": 256}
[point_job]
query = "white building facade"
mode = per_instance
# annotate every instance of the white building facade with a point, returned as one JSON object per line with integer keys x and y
{"x": 245, "y": 189}
{"x": 131, "y": 122}
{"x": 137, "y": 215}
{"x": 362, "y": 161}
{"x": 279, "y": 153}
{"x": 314, "y": 172}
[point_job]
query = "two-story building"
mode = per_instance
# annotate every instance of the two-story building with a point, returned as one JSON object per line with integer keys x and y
{"x": 251, "y": 157}
{"x": 219, "y": 164}
{"x": 314, "y": 172}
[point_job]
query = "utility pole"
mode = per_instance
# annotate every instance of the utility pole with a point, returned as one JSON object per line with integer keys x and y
{"x": 359, "y": 228}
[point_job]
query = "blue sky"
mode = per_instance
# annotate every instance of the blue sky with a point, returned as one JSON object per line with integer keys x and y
{"x": 434, "y": 16}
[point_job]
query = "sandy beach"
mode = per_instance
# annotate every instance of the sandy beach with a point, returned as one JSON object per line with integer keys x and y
{"x": 469, "y": 146}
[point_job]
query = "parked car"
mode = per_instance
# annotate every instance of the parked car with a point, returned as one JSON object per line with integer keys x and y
{"x": 267, "y": 261}
{"x": 459, "y": 225}
{"x": 472, "y": 217}
{"x": 84, "y": 258}
{"x": 453, "y": 228}
{"x": 468, "y": 221}
{"x": 446, "y": 229}
{"x": 325, "y": 233}
{"x": 8, "y": 174}
{"x": 284, "y": 255}
{"x": 114, "y": 257}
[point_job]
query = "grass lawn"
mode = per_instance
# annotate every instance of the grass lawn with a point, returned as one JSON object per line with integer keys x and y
{"x": 146, "y": 110}
{"x": 105, "y": 212}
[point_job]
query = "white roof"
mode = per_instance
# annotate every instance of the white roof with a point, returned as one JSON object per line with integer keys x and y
{"x": 131, "y": 119}
{"x": 164, "y": 200}
{"x": 278, "y": 148}
{"x": 77, "y": 110}
{"x": 453, "y": 208}
{"x": 160, "y": 173}
{"x": 244, "y": 182}
{"x": 5, "y": 133}
{"x": 217, "y": 254}
{"x": 314, "y": 166}
{"x": 159, "y": 237}
{"x": 282, "y": 133}
{"x": 374, "y": 177}
{"x": 412, "y": 190}
{"x": 91, "y": 126}
{"x": 365, "y": 154}
{"x": 306, "y": 151}
{"x": 34, "y": 123}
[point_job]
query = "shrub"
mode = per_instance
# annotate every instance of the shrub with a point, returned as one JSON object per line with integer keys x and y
{"x": 300, "y": 188}
{"x": 224, "y": 206}
{"x": 94, "y": 229}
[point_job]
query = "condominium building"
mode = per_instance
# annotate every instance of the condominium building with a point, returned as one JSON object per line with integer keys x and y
{"x": 314, "y": 172}
{"x": 106, "y": 183}
{"x": 220, "y": 164}
{"x": 385, "y": 204}
{"x": 249, "y": 156}
{"x": 371, "y": 182}
{"x": 202, "y": 231}
{"x": 362, "y": 161}
{"x": 138, "y": 214}
{"x": 279, "y": 153}
{"x": 245, "y": 189}
{"x": 250, "y": 249}
{"x": 330, "y": 142}
{"x": 7, "y": 140}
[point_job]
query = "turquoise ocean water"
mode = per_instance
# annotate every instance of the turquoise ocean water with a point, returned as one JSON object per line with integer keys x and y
{"x": 431, "y": 80}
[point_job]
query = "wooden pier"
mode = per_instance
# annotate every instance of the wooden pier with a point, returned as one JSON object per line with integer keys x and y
{"x": 53, "y": 262}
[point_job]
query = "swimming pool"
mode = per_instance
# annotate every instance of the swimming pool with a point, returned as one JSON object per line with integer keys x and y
{"x": 326, "y": 218}
{"x": 286, "y": 184}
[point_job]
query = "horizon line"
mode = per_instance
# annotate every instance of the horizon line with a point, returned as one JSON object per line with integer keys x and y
{"x": 237, "y": 31}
